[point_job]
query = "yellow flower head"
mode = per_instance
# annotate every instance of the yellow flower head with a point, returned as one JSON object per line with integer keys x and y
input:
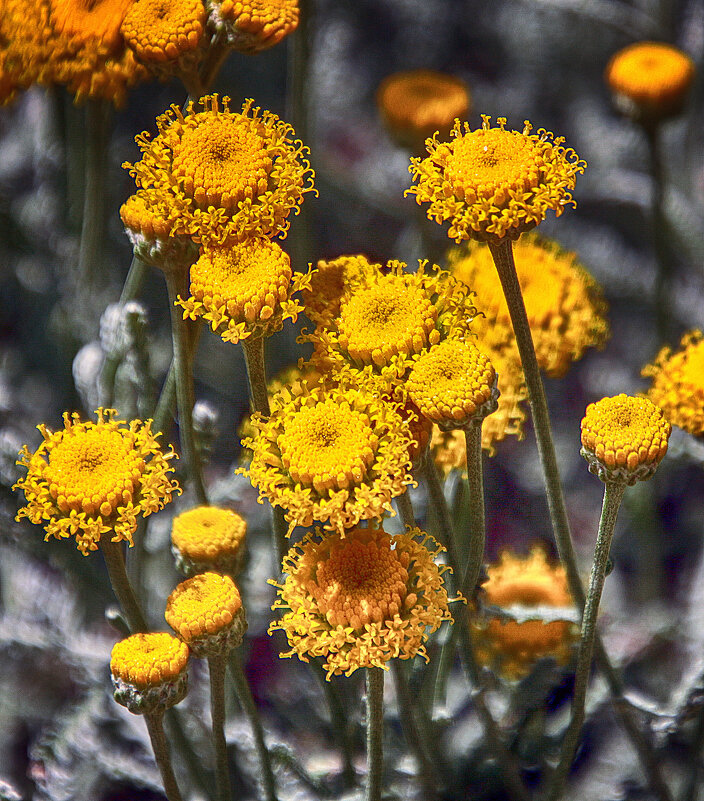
{"x": 161, "y": 31}
{"x": 650, "y": 80}
{"x": 208, "y": 538}
{"x": 361, "y": 599}
{"x": 453, "y": 383}
{"x": 513, "y": 646}
{"x": 149, "y": 672}
{"x": 385, "y": 319}
{"x": 624, "y": 438}
{"x": 678, "y": 383}
{"x": 227, "y": 174}
{"x": 565, "y": 307}
{"x": 329, "y": 454}
{"x": 243, "y": 289}
{"x": 329, "y": 282}
{"x": 93, "y": 478}
{"x": 491, "y": 183}
{"x": 417, "y": 103}
{"x": 254, "y": 25}
{"x": 207, "y": 614}
{"x": 90, "y": 21}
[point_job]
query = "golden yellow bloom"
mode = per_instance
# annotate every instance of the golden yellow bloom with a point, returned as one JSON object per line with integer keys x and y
{"x": 565, "y": 306}
{"x": 361, "y": 598}
{"x": 227, "y": 174}
{"x": 385, "y": 319}
{"x": 650, "y": 79}
{"x": 254, "y": 25}
{"x": 624, "y": 438}
{"x": 163, "y": 30}
{"x": 329, "y": 454}
{"x": 678, "y": 383}
{"x": 491, "y": 183}
{"x": 243, "y": 289}
{"x": 206, "y": 612}
{"x": 93, "y": 478}
{"x": 329, "y": 282}
{"x": 513, "y": 647}
{"x": 417, "y": 103}
{"x": 208, "y": 538}
{"x": 149, "y": 672}
{"x": 90, "y": 21}
{"x": 453, "y": 383}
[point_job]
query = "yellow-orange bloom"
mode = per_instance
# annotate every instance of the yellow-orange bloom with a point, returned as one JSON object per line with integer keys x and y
{"x": 163, "y": 30}
{"x": 624, "y": 438}
{"x": 329, "y": 454}
{"x": 330, "y": 281}
{"x": 511, "y": 646}
{"x": 254, "y": 25}
{"x": 650, "y": 79}
{"x": 417, "y": 103}
{"x": 491, "y": 183}
{"x": 678, "y": 383}
{"x": 208, "y": 538}
{"x": 91, "y": 479}
{"x": 361, "y": 598}
{"x": 227, "y": 175}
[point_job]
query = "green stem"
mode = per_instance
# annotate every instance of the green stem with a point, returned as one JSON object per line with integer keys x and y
{"x": 244, "y": 695}
{"x": 177, "y": 284}
{"x": 446, "y": 528}
{"x": 216, "y": 670}
{"x": 112, "y": 553}
{"x": 155, "y": 727}
{"x": 375, "y": 731}
{"x": 477, "y": 517}
{"x": 613, "y": 493}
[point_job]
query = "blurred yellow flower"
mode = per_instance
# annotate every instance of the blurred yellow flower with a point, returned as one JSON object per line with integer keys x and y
{"x": 361, "y": 598}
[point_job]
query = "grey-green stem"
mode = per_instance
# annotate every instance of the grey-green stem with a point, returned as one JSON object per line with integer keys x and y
{"x": 477, "y": 524}
{"x": 216, "y": 670}
{"x": 115, "y": 562}
{"x": 375, "y": 732}
{"x": 155, "y": 727}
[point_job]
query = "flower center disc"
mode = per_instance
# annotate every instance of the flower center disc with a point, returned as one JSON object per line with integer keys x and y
{"x": 361, "y": 582}
{"x": 221, "y": 160}
{"x": 327, "y": 446}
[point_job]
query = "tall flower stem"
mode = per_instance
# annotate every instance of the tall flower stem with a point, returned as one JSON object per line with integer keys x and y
{"x": 155, "y": 727}
{"x": 253, "y": 348}
{"x": 375, "y": 731}
{"x": 613, "y": 493}
{"x": 216, "y": 670}
{"x": 502, "y": 253}
{"x": 177, "y": 284}
{"x": 244, "y": 695}
{"x": 477, "y": 517}
{"x": 446, "y": 529}
{"x": 115, "y": 562}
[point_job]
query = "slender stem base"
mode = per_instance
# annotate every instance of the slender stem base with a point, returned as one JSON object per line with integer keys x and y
{"x": 477, "y": 524}
{"x": 115, "y": 562}
{"x": 155, "y": 727}
{"x": 216, "y": 669}
{"x": 375, "y": 729}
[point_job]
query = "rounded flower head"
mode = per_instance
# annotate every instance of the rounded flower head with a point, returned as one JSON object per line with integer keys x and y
{"x": 491, "y": 183}
{"x": 539, "y": 594}
{"x": 417, "y": 103}
{"x": 385, "y": 319}
{"x": 565, "y": 307}
{"x": 329, "y": 282}
{"x": 207, "y": 614}
{"x": 453, "y": 383}
{"x": 678, "y": 383}
{"x": 650, "y": 80}
{"x": 149, "y": 672}
{"x": 208, "y": 538}
{"x": 254, "y": 25}
{"x": 361, "y": 599}
{"x": 329, "y": 454}
{"x": 91, "y": 479}
{"x": 243, "y": 289}
{"x": 624, "y": 438}
{"x": 226, "y": 174}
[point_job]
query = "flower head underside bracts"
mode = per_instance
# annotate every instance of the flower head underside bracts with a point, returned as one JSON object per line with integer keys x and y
{"x": 208, "y": 538}
{"x": 624, "y": 438}
{"x": 91, "y": 479}
{"x": 565, "y": 306}
{"x": 329, "y": 454}
{"x": 491, "y": 183}
{"x": 513, "y": 646}
{"x": 149, "y": 672}
{"x": 649, "y": 80}
{"x": 229, "y": 175}
{"x": 207, "y": 614}
{"x": 385, "y": 319}
{"x": 361, "y": 599}
{"x": 253, "y": 25}
{"x": 243, "y": 289}
{"x": 678, "y": 383}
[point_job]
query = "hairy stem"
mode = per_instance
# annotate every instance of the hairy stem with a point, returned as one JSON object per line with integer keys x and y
{"x": 112, "y": 553}
{"x": 477, "y": 522}
{"x": 155, "y": 727}
{"x": 216, "y": 670}
{"x": 375, "y": 730}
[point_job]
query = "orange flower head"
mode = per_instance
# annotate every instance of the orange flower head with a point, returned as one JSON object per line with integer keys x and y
{"x": 160, "y": 31}
{"x": 208, "y": 538}
{"x": 254, "y": 25}
{"x": 330, "y": 281}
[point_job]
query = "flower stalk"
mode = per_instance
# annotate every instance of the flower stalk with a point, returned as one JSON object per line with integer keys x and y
{"x": 216, "y": 670}
{"x": 477, "y": 521}
{"x": 155, "y": 727}
{"x": 375, "y": 726}
{"x": 115, "y": 562}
